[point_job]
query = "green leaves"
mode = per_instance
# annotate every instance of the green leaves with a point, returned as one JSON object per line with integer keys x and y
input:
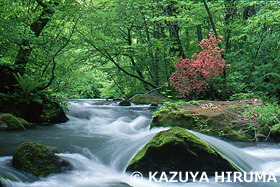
{"x": 27, "y": 84}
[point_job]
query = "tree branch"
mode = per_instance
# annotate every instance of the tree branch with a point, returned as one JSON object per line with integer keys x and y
{"x": 37, "y": 27}
{"x": 109, "y": 57}
{"x": 216, "y": 34}
{"x": 154, "y": 89}
{"x": 57, "y": 53}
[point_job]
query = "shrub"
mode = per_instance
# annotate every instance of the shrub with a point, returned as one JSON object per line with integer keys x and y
{"x": 194, "y": 75}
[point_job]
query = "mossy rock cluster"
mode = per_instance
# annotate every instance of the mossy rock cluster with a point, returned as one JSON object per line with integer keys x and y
{"x": 153, "y": 99}
{"x": 177, "y": 149}
{"x": 37, "y": 159}
{"x": 10, "y": 122}
{"x": 220, "y": 122}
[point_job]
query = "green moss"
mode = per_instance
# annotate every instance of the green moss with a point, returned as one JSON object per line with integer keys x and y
{"x": 53, "y": 113}
{"x": 193, "y": 102}
{"x": 222, "y": 122}
{"x": 172, "y": 119}
{"x": 24, "y": 122}
{"x": 178, "y": 150}
{"x": 35, "y": 158}
{"x": 12, "y": 122}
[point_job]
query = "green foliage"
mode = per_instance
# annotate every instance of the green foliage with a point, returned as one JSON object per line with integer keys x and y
{"x": 240, "y": 96}
{"x": 193, "y": 102}
{"x": 84, "y": 40}
{"x": 171, "y": 107}
{"x": 27, "y": 84}
{"x": 200, "y": 126}
{"x": 267, "y": 115}
{"x": 174, "y": 108}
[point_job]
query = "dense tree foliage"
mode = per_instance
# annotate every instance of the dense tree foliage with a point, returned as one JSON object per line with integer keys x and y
{"x": 113, "y": 48}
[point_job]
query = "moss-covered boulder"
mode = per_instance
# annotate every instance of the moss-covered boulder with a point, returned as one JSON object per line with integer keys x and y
{"x": 10, "y": 122}
{"x": 222, "y": 119}
{"x": 177, "y": 149}
{"x": 52, "y": 112}
{"x": 36, "y": 112}
{"x": 37, "y": 159}
{"x": 153, "y": 99}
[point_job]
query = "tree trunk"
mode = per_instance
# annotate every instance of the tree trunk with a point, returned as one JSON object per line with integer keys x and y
{"x": 174, "y": 31}
{"x": 230, "y": 12}
{"x": 216, "y": 34}
{"x": 199, "y": 33}
{"x": 37, "y": 27}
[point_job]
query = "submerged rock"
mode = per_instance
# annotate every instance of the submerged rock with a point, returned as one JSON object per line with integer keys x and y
{"x": 10, "y": 122}
{"x": 153, "y": 99}
{"x": 37, "y": 159}
{"x": 177, "y": 149}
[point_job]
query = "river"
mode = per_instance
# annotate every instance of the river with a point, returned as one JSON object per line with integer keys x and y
{"x": 100, "y": 139}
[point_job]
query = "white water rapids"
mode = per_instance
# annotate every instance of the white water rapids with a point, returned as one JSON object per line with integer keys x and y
{"x": 100, "y": 139}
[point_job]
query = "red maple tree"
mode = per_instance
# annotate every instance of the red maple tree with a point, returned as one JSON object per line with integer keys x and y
{"x": 193, "y": 75}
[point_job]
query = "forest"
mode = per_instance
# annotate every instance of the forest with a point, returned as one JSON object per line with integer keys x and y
{"x": 61, "y": 49}
{"x": 71, "y": 72}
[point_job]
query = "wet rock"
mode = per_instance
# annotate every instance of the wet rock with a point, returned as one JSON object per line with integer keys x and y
{"x": 118, "y": 99}
{"x": 37, "y": 159}
{"x": 50, "y": 112}
{"x": 125, "y": 103}
{"x": 10, "y": 122}
{"x": 177, "y": 149}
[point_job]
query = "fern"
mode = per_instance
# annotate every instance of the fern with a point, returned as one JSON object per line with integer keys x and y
{"x": 27, "y": 84}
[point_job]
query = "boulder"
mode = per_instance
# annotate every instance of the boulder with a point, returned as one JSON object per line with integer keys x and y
{"x": 222, "y": 119}
{"x": 118, "y": 99}
{"x": 48, "y": 112}
{"x": 37, "y": 159}
{"x": 10, "y": 122}
{"x": 153, "y": 99}
{"x": 125, "y": 103}
{"x": 177, "y": 149}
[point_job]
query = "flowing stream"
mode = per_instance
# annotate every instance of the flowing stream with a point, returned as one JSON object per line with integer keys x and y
{"x": 100, "y": 139}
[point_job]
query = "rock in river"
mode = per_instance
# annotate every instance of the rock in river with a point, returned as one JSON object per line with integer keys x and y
{"x": 10, "y": 122}
{"x": 177, "y": 149}
{"x": 37, "y": 159}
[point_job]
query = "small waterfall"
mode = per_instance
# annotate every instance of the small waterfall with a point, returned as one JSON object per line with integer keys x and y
{"x": 12, "y": 174}
{"x": 237, "y": 156}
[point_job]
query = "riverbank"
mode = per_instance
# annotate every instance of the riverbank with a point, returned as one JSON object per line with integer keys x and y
{"x": 242, "y": 120}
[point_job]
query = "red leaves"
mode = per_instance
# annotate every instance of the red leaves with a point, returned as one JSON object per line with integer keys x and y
{"x": 193, "y": 75}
